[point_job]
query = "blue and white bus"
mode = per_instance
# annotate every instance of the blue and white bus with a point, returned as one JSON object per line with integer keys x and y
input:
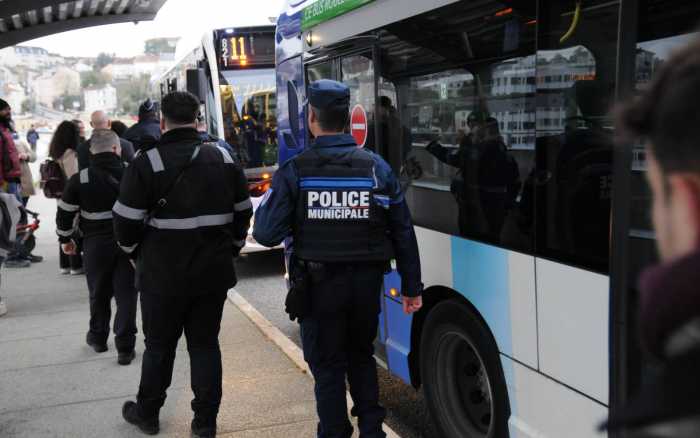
{"x": 496, "y": 116}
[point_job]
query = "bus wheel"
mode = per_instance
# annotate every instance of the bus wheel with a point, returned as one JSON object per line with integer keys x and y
{"x": 462, "y": 376}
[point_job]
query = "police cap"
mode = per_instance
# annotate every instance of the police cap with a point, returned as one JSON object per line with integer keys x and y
{"x": 325, "y": 93}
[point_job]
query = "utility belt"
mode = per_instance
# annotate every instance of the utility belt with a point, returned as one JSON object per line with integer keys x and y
{"x": 302, "y": 274}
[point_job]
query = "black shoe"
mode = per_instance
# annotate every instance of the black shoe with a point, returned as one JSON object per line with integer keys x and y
{"x": 130, "y": 412}
{"x": 202, "y": 429}
{"x": 98, "y": 347}
{"x": 125, "y": 357}
{"x": 35, "y": 258}
{"x": 17, "y": 263}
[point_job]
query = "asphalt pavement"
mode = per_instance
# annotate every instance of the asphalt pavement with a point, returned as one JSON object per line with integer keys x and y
{"x": 262, "y": 284}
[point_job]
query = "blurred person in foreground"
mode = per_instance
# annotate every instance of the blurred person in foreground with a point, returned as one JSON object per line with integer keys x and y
{"x": 147, "y": 132}
{"x": 183, "y": 214}
{"x": 100, "y": 120}
{"x": 9, "y": 218}
{"x": 666, "y": 117}
{"x": 119, "y": 128}
{"x": 81, "y": 129}
{"x": 86, "y": 206}
{"x": 62, "y": 150}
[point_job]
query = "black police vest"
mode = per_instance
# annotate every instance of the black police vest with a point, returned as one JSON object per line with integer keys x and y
{"x": 338, "y": 217}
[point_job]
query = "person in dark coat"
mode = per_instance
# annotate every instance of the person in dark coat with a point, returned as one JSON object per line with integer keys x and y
{"x": 147, "y": 130}
{"x": 666, "y": 117}
{"x": 99, "y": 120}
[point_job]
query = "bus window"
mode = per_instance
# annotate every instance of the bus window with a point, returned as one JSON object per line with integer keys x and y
{"x": 576, "y": 79}
{"x": 321, "y": 70}
{"x": 357, "y": 72}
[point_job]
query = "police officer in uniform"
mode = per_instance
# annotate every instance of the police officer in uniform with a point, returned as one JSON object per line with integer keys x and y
{"x": 87, "y": 203}
{"x": 344, "y": 208}
{"x": 183, "y": 214}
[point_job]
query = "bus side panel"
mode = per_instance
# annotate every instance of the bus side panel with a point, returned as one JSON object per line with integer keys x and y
{"x": 573, "y": 306}
{"x": 541, "y": 407}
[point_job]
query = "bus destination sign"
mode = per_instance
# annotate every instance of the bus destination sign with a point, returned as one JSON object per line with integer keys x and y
{"x": 240, "y": 49}
{"x": 325, "y": 10}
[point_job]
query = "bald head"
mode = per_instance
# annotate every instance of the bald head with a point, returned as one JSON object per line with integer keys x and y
{"x": 99, "y": 120}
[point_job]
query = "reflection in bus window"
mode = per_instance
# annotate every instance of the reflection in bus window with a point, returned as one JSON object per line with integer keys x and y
{"x": 576, "y": 87}
{"x": 358, "y": 75}
{"x": 249, "y": 102}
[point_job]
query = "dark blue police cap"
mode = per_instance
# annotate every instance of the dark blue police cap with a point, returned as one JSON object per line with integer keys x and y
{"x": 325, "y": 93}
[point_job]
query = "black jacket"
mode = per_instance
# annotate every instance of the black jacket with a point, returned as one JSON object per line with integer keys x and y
{"x": 145, "y": 132}
{"x": 89, "y": 197}
{"x": 83, "y": 151}
{"x": 186, "y": 246}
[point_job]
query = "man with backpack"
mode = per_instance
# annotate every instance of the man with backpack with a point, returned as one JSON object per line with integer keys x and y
{"x": 90, "y": 195}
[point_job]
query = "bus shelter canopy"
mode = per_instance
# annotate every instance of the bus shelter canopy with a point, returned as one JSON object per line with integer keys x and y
{"x": 23, "y": 20}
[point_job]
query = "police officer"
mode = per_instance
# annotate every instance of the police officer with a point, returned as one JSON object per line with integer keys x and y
{"x": 183, "y": 214}
{"x": 344, "y": 208}
{"x": 147, "y": 131}
{"x": 89, "y": 197}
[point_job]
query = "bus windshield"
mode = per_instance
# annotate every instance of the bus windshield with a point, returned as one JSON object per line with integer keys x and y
{"x": 250, "y": 125}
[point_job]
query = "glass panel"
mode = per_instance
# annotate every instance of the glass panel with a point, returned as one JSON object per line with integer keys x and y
{"x": 248, "y": 100}
{"x": 464, "y": 81}
{"x": 575, "y": 90}
{"x": 357, "y": 72}
{"x": 322, "y": 70}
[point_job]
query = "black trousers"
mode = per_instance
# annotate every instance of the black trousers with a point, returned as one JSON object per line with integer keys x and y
{"x": 71, "y": 261}
{"x": 110, "y": 275}
{"x": 338, "y": 342}
{"x": 165, "y": 317}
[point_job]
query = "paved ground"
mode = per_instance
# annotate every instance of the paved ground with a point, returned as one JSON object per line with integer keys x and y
{"x": 53, "y": 385}
{"x": 261, "y": 283}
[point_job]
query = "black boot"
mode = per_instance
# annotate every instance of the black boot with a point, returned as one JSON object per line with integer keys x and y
{"x": 98, "y": 347}
{"x": 125, "y": 357}
{"x": 203, "y": 429}
{"x": 149, "y": 426}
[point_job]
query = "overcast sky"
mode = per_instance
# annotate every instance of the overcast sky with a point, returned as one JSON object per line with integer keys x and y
{"x": 188, "y": 19}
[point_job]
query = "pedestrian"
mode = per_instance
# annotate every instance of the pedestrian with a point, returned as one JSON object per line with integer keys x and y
{"x": 100, "y": 120}
{"x": 32, "y": 137}
{"x": 9, "y": 218}
{"x": 345, "y": 211}
{"x": 86, "y": 206}
{"x": 119, "y": 127}
{"x": 147, "y": 131}
{"x": 62, "y": 150}
{"x": 665, "y": 117}
{"x": 27, "y": 190}
{"x": 183, "y": 214}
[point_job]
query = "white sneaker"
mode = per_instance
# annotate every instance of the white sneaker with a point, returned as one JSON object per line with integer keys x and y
{"x": 80, "y": 271}
{"x": 3, "y": 307}
{"x": 64, "y": 271}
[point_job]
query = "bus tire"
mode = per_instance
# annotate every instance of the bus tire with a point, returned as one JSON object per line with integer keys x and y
{"x": 462, "y": 376}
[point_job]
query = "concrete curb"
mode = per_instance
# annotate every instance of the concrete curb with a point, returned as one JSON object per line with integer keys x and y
{"x": 283, "y": 342}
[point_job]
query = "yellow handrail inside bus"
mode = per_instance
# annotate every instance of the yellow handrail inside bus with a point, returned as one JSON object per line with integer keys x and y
{"x": 574, "y": 23}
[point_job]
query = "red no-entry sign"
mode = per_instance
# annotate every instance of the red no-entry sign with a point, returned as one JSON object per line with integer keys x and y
{"x": 358, "y": 125}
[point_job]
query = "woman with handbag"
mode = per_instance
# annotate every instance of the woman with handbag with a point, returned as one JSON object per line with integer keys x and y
{"x": 63, "y": 150}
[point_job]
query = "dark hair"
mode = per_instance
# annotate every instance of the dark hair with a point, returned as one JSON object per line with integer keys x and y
{"x": 667, "y": 114}
{"x": 180, "y": 108}
{"x": 333, "y": 119}
{"x": 67, "y": 136}
{"x": 119, "y": 127}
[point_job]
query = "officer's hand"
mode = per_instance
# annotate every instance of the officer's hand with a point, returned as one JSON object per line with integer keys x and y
{"x": 412, "y": 304}
{"x": 69, "y": 248}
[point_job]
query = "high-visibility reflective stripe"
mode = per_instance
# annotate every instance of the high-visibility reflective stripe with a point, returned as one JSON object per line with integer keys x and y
{"x": 128, "y": 212}
{"x": 84, "y": 176}
{"x": 156, "y": 161}
{"x": 128, "y": 249}
{"x": 65, "y": 233}
{"x": 68, "y": 207}
{"x": 192, "y": 223}
{"x": 227, "y": 156}
{"x": 239, "y": 243}
{"x": 96, "y": 216}
{"x": 243, "y": 205}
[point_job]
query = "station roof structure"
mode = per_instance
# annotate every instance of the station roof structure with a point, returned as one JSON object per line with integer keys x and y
{"x": 23, "y": 20}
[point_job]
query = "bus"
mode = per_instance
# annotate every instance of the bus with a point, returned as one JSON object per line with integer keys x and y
{"x": 232, "y": 73}
{"x": 532, "y": 227}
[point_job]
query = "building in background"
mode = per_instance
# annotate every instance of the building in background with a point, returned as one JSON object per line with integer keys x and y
{"x": 34, "y": 58}
{"x": 53, "y": 85}
{"x": 100, "y": 98}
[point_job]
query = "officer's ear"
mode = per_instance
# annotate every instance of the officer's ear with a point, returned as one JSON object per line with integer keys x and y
{"x": 162, "y": 124}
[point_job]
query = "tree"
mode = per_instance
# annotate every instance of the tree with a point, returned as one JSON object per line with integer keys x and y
{"x": 103, "y": 60}
{"x": 131, "y": 93}
{"x": 29, "y": 105}
{"x": 93, "y": 79}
